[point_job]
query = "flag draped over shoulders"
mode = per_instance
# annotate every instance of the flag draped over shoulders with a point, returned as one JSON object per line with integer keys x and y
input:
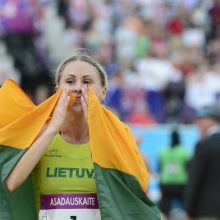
{"x": 121, "y": 175}
{"x": 20, "y": 123}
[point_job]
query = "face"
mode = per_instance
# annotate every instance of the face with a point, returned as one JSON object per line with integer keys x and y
{"x": 79, "y": 74}
{"x": 204, "y": 124}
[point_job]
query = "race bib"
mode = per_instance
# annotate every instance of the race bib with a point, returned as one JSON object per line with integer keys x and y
{"x": 69, "y": 206}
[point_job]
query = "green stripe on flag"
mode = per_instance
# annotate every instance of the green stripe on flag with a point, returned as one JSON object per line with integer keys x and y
{"x": 121, "y": 197}
{"x": 20, "y": 204}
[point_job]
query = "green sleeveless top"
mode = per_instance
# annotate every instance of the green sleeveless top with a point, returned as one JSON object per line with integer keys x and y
{"x": 64, "y": 168}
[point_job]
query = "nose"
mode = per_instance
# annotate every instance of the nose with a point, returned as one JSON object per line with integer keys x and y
{"x": 77, "y": 88}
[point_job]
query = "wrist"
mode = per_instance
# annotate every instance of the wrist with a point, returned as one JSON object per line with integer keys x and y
{"x": 51, "y": 131}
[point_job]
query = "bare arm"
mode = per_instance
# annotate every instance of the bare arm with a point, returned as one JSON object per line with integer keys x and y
{"x": 32, "y": 156}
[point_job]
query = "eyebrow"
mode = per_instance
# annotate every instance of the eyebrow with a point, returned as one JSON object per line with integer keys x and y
{"x": 71, "y": 75}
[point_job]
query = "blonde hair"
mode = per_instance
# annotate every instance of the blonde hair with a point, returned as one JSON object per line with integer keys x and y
{"x": 82, "y": 56}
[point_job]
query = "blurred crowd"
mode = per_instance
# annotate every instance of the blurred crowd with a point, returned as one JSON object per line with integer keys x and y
{"x": 162, "y": 56}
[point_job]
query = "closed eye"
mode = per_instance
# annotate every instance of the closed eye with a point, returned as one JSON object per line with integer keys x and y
{"x": 86, "y": 81}
{"x": 70, "y": 81}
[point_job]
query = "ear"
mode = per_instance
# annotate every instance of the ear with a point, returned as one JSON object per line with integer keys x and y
{"x": 104, "y": 92}
{"x": 56, "y": 88}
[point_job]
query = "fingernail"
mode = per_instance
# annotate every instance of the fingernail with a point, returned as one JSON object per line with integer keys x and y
{"x": 86, "y": 86}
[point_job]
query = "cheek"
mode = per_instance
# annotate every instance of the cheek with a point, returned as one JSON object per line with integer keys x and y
{"x": 98, "y": 91}
{"x": 60, "y": 85}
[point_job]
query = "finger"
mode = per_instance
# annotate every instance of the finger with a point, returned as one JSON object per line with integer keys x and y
{"x": 66, "y": 91}
{"x": 66, "y": 102}
{"x": 64, "y": 95}
{"x": 84, "y": 107}
{"x": 85, "y": 95}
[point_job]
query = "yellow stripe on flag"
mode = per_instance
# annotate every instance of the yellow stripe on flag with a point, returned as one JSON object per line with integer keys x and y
{"x": 112, "y": 143}
{"x": 13, "y": 103}
{"x": 20, "y": 120}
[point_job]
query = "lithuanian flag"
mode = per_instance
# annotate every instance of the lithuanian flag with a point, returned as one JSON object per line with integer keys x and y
{"x": 121, "y": 175}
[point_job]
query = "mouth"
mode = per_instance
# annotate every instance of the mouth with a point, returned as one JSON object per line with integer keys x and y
{"x": 78, "y": 100}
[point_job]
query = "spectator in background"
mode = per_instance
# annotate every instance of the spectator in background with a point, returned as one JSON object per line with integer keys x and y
{"x": 22, "y": 22}
{"x": 141, "y": 114}
{"x": 203, "y": 191}
{"x": 214, "y": 14}
{"x": 42, "y": 92}
{"x": 173, "y": 174}
{"x": 176, "y": 109}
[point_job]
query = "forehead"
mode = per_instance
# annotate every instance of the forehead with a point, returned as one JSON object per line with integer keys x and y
{"x": 79, "y": 68}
